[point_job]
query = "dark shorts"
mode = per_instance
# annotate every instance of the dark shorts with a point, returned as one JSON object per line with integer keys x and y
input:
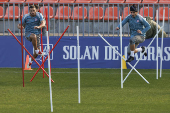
{"x": 27, "y": 36}
{"x": 137, "y": 39}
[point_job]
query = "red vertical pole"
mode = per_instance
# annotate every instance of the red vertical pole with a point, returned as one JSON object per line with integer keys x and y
{"x": 22, "y": 52}
{"x": 42, "y": 50}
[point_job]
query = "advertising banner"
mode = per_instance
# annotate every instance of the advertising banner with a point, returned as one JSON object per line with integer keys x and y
{"x": 94, "y": 52}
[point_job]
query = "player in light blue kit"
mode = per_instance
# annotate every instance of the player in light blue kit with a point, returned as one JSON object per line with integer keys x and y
{"x": 33, "y": 21}
{"x": 138, "y": 28}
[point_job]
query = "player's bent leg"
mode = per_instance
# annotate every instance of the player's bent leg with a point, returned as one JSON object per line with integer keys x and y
{"x": 134, "y": 41}
{"x": 35, "y": 55}
{"x": 38, "y": 45}
{"x": 128, "y": 49}
{"x": 140, "y": 39}
{"x": 34, "y": 41}
{"x": 132, "y": 49}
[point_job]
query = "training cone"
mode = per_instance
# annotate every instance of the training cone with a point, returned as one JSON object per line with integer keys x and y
{"x": 124, "y": 63}
{"x": 27, "y": 61}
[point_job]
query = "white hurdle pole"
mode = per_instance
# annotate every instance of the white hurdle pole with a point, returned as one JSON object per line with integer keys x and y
{"x": 141, "y": 56}
{"x": 121, "y": 51}
{"x": 78, "y": 63}
{"x": 157, "y": 44}
{"x": 162, "y": 44}
{"x": 123, "y": 58}
{"x": 49, "y": 70}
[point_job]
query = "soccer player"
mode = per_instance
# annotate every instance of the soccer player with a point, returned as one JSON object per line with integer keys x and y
{"x": 138, "y": 28}
{"x": 33, "y": 21}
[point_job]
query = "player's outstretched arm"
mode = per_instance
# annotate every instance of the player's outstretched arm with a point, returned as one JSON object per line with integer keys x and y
{"x": 123, "y": 22}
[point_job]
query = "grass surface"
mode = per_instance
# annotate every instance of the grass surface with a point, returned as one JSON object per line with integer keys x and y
{"x": 100, "y": 92}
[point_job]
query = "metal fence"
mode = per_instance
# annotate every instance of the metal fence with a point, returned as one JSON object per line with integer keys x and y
{"x": 91, "y": 18}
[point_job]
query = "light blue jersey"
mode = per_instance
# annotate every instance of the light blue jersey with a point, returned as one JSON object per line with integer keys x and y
{"x": 137, "y": 23}
{"x": 30, "y": 22}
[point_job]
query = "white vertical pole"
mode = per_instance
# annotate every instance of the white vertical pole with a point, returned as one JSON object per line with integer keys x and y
{"x": 49, "y": 70}
{"x": 157, "y": 44}
{"x": 162, "y": 43}
{"x": 78, "y": 63}
{"x": 121, "y": 51}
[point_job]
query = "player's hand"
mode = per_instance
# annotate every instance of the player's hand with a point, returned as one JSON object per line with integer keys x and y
{"x": 36, "y": 27}
{"x": 21, "y": 27}
{"x": 117, "y": 28}
{"x": 139, "y": 31}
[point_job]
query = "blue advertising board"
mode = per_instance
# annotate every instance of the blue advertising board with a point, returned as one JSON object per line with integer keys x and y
{"x": 94, "y": 53}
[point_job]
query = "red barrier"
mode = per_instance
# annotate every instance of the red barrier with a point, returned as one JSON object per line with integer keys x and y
{"x": 50, "y": 52}
{"x": 29, "y": 54}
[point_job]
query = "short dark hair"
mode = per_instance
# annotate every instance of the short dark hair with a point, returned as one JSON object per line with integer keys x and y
{"x": 133, "y": 8}
{"x": 32, "y": 6}
{"x": 36, "y": 6}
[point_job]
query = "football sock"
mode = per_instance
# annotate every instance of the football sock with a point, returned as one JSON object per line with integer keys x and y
{"x": 36, "y": 51}
{"x": 30, "y": 60}
{"x": 139, "y": 49}
{"x": 132, "y": 53}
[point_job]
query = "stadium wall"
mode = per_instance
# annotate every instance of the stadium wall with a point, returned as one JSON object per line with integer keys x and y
{"x": 94, "y": 53}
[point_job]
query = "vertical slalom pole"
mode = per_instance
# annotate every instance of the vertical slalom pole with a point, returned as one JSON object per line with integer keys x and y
{"x": 42, "y": 50}
{"x": 78, "y": 63}
{"x": 162, "y": 43}
{"x": 157, "y": 44}
{"x": 121, "y": 51}
{"x": 22, "y": 52}
{"x": 49, "y": 65}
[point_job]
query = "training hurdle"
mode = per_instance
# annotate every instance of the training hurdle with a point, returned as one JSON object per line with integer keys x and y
{"x": 23, "y": 47}
{"x": 120, "y": 54}
{"x": 28, "y": 53}
{"x": 123, "y": 59}
{"x": 49, "y": 53}
{"x": 47, "y": 35}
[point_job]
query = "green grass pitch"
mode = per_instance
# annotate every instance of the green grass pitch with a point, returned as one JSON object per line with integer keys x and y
{"x": 100, "y": 92}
